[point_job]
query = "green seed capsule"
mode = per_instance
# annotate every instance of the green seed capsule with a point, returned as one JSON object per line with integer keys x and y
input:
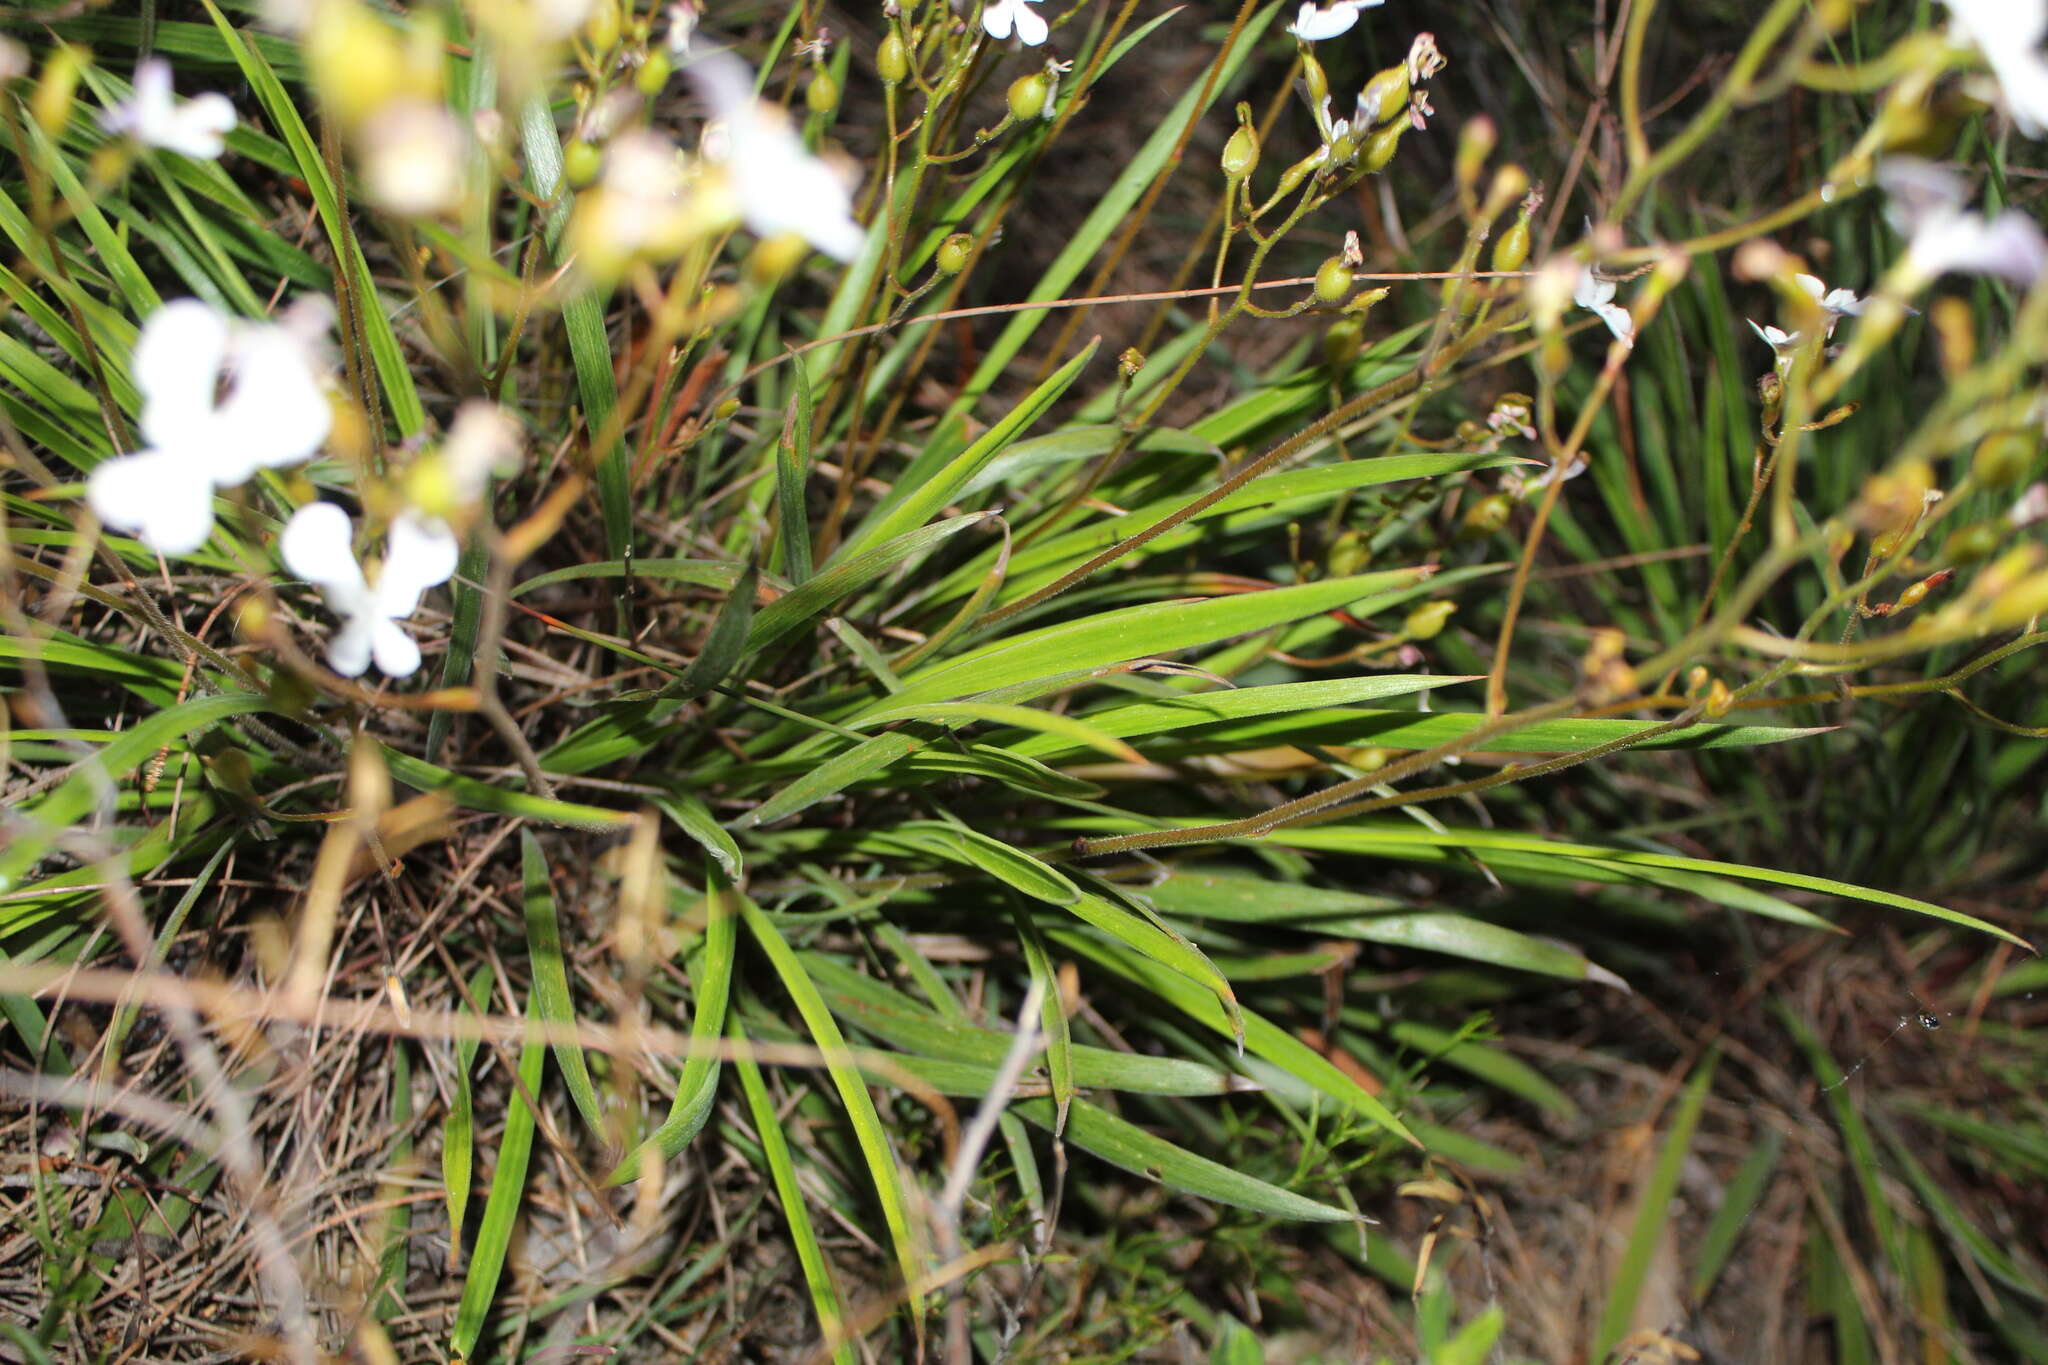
{"x": 1972, "y": 543}
{"x": 1349, "y": 554}
{"x": 2003, "y": 458}
{"x": 1333, "y": 280}
{"x": 653, "y": 74}
{"x": 1511, "y": 251}
{"x": 1240, "y": 154}
{"x": 1028, "y": 95}
{"x": 581, "y": 162}
{"x": 954, "y": 253}
{"x": 1488, "y": 515}
{"x": 1426, "y": 622}
{"x": 1380, "y": 148}
{"x": 1385, "y": 96}
{"x": 603, "y": 27}
{"x": 892, "y": 62}
{"x": 1343, "y": 342}
{"x": 822, "y": 94}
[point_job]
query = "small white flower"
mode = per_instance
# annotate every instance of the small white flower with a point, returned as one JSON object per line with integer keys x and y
{"x": 414, "y": 158}
{"x": 1838, "y": 303}
{"x": 153, "y": 116}
{"x": 2031, "y": 507}
{"x": 221, "y": 398}
{"x": 682, "y": 22}
{"x": 1926, "y": 207}
{"x": 1597, "y": 294}
{"x": 782, "y": 189}
{"x": 2008, "y": 33}
{"x": 999, "y": 17}
{"x": 418, "y": 554}
{"x": 1317, "y": 22}
{"x": 484, "y": 441}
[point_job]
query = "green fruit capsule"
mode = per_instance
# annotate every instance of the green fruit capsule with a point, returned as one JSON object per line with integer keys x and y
{"x": 1240, "y": 154}
{"x": 602, "y": 29}
{"x": 1348, "y": 554}
{"x": 1333, "y": 280}
{"x": 581, "y": 162}
{"x": 954, "y": 253}
{"x": 653, "y": 74}
{"x": 892, "y": 61}
{"x": 1385, "y": 96}
{"x": 822, "y": 94}
{"x": 1343, "y": 342}
{"x": 1488, "y": 515}
{"x": 1380, "y": 148}
{"x": 2003, "y": 458}
{"x": 1973, "y": 543}
{"x": 1511, "y": 251}
{"x": 1426, "y": 622}
{"x": 1028, "y": 95}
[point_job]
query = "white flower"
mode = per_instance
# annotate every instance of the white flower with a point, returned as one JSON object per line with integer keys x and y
{"x": 221, "y": 398}
{"x": 414, "y": 158}
{"x": 485, "y": 440}
{"x": 418, "y": 553}
{"x": 682, "y": 22}
{"x": 153, "y": 116}
{"x": 1317, "y": 22}
{"x": 1837, "y": 303}
{"x": 2009, "y": 34}
{"x": 1000, "y": 16}
{"x": 782, "y": 188}
{"x": 1926, "y": 207}
{"x": 1598, "y": 295}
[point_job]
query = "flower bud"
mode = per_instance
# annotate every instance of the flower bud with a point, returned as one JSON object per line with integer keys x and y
{"x": 1028, "y": 95}
{"x": 1240, "y": 154}
{"x": 954, "y": 253}
{"x": 1476, "y": 141}
{"x": 892, "y": 62}
{"x": 51, "y": 103}
{"x": 1318, "y": 83}
{"x": 1719, "y": 699}
{"x": 1333, "y": 280}
{"x": 653, "y": 74}
{"x": 1426, "y": 622}
{"x": 2003, "y": 458}
{"x": 1129, "y": 362}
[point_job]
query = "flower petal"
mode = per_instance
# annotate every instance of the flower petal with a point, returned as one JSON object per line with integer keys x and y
{"x": 396, "y": 653}
{"x": 163, "y": 496}
{"x": 348, "y": 650}
{"x": 997, "y": 17}
{"x": 315, "y": 546}
{"x": 276, "y": 410}
{"x": 177, "y": 364}
{"x": 199, "y": 129}
{"x": 1031, "y": 26}
{"x": 419, "y": 553}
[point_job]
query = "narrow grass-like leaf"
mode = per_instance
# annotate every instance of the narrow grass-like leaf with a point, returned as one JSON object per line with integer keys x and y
{"x": 1064, "y": 728}
{"x": 551, "y": 998}
{"x": 470, "y": 794}
{"x": 1653, "y": 1211}
{"x": 501, "y": 1206}
{"x": 847, "y": 573}
{"x": 711, "y": 982}
{"x": 723, "y": 644}
{"x": 1378, "y": 837}
{"x": 860, "y": 1106}
{"x": 458, "y": 1131}
{"x": 694, "y": 818}
{"x": 1130, "y": 1148}
{"x": 46, "y": 819}
{"x": 792, "y": 475}
{"x": 782, "y": 1170}
{"x": 831, "y": 777}
{"x": 1738, "y": 1202}
{"x": 917, "y": 498}
{"x": 1260, "y": 1036}
{"x": 1137, "y": 632}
